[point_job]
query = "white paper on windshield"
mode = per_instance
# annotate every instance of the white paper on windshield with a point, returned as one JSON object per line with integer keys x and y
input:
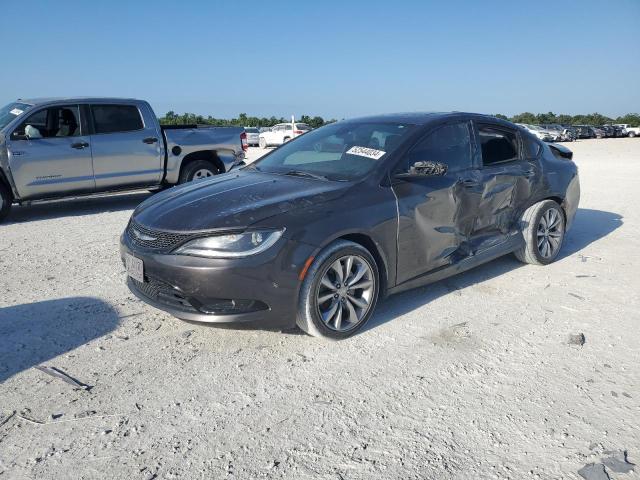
{"x": 366, "y": 152}
{"x": 16, "y": 111}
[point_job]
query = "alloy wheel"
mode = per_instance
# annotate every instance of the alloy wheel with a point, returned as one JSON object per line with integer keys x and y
{"x": 202, "y": 173}
{"x": 346, "y": 292}
{"x": 550, "y": 233}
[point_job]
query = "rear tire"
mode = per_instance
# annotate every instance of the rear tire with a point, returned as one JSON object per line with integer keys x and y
{"x": 632, "y": 134}
{"x": 197, "y": 170}
{"x": 262, "y": 143}
{"x": 335, "y": 303}
{"x": 543, "y": 229}
{"x": 6, "y": 199}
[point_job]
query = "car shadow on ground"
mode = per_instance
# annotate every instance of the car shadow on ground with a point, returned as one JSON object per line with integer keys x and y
{"x": 36, "y": 332}
{"x": 589, "y": 226}
{"x": 75, "y": 207}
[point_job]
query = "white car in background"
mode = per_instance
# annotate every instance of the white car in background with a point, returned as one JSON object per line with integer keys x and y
{"x": 630, "y": 131}
{"x": 252, "y": 135}
{"x": 541, "y": 133}
{"x": 281, "y": 133}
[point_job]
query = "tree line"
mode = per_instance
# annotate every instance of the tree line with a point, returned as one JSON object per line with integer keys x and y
{"x": 243, "y": 120}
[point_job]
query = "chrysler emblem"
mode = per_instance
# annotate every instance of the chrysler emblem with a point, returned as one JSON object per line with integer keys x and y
{"x": 142, "y": 236}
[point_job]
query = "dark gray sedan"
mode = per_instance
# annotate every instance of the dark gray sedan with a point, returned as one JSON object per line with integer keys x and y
{"x": 316, "y": 231}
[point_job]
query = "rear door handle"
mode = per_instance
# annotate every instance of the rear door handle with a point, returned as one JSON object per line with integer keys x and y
{"x": 79, "y": 145}
{"x": 150, "y": 140}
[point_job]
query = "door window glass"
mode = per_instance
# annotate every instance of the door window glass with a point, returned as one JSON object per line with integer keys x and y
{"x": 60, "y": 121}
{"x": 531, "y": 146}
{"x": 450, "y": 144}
{"x": 498, "y": 145}
{"x": 116, "y": 118}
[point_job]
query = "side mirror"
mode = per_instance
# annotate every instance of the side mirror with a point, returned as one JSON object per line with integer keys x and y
{"x": 425, "y": 169}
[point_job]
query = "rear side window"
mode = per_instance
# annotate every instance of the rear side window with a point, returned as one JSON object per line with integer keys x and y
{"x": 498, "y": 145}
{"x": 531, "y": 146}
{"x": 450, "y": 144}
{"x": 116, "y": 118}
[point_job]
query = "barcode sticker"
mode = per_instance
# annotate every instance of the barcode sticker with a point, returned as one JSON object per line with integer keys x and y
{"x": 16, "y": 112}
{"x": 366, "y": 152}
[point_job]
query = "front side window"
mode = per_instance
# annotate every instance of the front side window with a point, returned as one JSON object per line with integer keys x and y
{"x": 9, "y": 112}
{"x": 498, "y": 144}
{"x": 340, "y": 151}
{"x": 116, "y": 118}
{"x": 450, "y": 145}
{"x": 59, "y": 121}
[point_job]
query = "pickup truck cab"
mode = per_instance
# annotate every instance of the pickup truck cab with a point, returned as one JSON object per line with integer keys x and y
{"x": 53, "y": 148}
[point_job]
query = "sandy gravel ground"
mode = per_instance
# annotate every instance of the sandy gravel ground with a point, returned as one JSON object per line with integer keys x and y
{"x": 473, "y": 377}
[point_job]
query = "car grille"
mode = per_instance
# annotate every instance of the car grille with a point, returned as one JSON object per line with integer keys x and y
{"x": 154, "y": 239}
{"x": 163, "y": 293}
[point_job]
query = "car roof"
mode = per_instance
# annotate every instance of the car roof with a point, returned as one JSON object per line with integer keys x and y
{"x": 423, "y": 118}
{"x": 46, "y": 100}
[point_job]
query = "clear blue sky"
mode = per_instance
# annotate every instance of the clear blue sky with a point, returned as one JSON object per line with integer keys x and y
{"x": 331, "y": 58}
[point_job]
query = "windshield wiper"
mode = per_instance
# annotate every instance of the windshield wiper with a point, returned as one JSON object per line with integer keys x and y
{"x": 301, "y": 173}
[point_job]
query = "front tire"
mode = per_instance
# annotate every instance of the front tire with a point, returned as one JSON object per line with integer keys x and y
{"x": 5, "y": 201}
{"x": 339, "y": 292}
{"x": 543, "y": 228}
{"x": 197, "y": 170}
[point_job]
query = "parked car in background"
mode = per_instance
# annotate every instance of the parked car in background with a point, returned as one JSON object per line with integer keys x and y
{"x": 541, "y": 133}
{"x": 316, "y": 231}
{"x": 52, "y": 148}
{"x": 253, "y": 136}
{"x": 630, "y": 131}
{"x": 281, "y": 133}
{"x": 609, "y": 131}
{"x": 598, "y": 132}
{"x": 585, "y": 131}
{"x": 561, "y": 133}
{"x": 619, "y": 131}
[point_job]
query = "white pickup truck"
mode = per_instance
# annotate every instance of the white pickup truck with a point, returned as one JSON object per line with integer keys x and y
{"x": 631, "y": 131}
{"x": 52, "y": 148}
{"x": 281, "y": 133}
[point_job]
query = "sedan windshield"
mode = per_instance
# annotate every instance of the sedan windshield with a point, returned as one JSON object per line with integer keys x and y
{"x": 340, "y": 151}
{"x": 11, "y": 111}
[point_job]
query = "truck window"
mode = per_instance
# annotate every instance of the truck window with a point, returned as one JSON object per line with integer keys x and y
{"x": 116, "y": 118}
{"x": 60, "y": 121}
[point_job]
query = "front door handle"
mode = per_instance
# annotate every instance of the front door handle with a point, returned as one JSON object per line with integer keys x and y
{"x": 150, "y": 140}
{"x": 79, "y": 145}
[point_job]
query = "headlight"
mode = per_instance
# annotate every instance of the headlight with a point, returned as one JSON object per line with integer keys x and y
{"x": 235, "y": 245}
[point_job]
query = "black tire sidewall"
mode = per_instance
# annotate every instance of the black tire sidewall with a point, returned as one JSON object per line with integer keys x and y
{"x": 7, "y": 200}
{"x": 308, "y": 297}
{"x": 533, "y": 232}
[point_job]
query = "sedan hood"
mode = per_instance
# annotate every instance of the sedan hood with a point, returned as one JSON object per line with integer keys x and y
{"x": 232, "y": 200}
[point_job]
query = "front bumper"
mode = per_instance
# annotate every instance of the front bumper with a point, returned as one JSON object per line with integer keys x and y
{"x": 260, "y": 291}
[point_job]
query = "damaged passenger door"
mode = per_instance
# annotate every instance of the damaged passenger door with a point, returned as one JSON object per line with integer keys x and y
{"x": 436, "y": 206}
{"x": 503, "y": 186}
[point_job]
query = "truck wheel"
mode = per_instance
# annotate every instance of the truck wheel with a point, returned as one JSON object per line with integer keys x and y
{"x": 543, "y": 227}
{"x": 632, "y": 134}
{"x": 5, "y": 201}
{"x": 339, "y": 292}
{"x": 286, "y": 139}
{"x": 198, "y": 170}
{"x": 262, "y": 143}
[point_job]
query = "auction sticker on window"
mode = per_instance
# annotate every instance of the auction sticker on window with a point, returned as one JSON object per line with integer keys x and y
{"x": 366, "y": 152}
{"x": 16, "y": 112}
